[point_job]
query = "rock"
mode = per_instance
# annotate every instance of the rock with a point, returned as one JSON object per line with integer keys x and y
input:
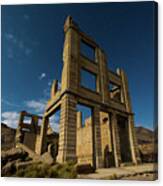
{"x": 12, "y": 154}
{"x": 47, "y": 158}
{"x": 23, "y": 165}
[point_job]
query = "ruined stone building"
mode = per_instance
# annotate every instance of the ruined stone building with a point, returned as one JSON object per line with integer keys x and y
{"x": 107, "y": 137}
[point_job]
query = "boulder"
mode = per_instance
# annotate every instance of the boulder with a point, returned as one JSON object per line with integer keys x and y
{"x": 47, "y": 158}
{"x": 23, "y": 165}
{"x": 12, "y": 154}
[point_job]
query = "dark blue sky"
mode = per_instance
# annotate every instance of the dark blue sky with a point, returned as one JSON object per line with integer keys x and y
{"x": 32, "y": 42}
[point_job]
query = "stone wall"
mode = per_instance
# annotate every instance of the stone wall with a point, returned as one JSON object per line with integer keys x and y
{"x": 84, "y": 149}
{"x": 29, "y": 140}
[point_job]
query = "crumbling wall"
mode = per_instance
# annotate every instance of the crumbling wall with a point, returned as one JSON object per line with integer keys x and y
{"x": 84, "y": 142}
{"x": 30, "y": 140}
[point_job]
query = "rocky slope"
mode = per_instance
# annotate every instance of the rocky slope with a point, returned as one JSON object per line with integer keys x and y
{"x": 147, "y": 143}
{"x": 7, "y": 137}
{"x": 144, "y": 135}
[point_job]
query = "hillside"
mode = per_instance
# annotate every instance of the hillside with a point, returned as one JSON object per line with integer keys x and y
{"x": 144, "y": 135}
{"x": 147, "y": 144}
{"x": 7, "y": 137}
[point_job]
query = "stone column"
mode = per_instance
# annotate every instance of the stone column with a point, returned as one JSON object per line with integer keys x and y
{"x": 97, "y": 138}
{"x": 70, "y": 57}
{"x": 133, "y": 142}
{"x": 116, "y": 140}
{"x": 125, "y": 92}
{"x": 103, "y": 75}
{"x": 67, "y": 136}
{"x": 34, "y": 124}
{"x": 54, "y": 88}
{"x": 41, "y": 146}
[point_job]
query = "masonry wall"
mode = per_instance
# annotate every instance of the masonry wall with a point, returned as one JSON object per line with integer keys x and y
{"x": 30, "y": 140}
{"x": 67, "y": 136}
{"x": 85, "y": 144}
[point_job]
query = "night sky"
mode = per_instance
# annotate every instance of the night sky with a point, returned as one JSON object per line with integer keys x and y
{"x": 32, "y": 43}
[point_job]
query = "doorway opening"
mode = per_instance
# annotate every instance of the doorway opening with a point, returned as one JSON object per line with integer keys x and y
{"x": 124, "y": 139}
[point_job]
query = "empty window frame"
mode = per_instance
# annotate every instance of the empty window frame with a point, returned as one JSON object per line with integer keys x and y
{"x": 88, "y": 79}
{"x": 115, "y": 92}
{"x": 87, "y": 50}
{"x": 39, "y": 121}
{"x": 54, "y": 121}
{"x": 27, "y": 119}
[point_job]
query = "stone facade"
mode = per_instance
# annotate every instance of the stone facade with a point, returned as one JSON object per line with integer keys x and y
{"x": 100, "y": 141}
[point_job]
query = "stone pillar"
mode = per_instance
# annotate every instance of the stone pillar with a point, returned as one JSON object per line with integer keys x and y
{"x": 116, "y": 140}
{"x": 41, "y": 146}
{"x": 67, "y": 136}
{"x": 126, "y": 97}
{"x": 34, "y": 124}
{"x": 133, "y": 142}
{"x": 54, "y": 88}
{"x": 70, "y": 57}
{"x": 103, "y": 79}
{"x": 97, "y": 138}
{"x": 125, "y": 91}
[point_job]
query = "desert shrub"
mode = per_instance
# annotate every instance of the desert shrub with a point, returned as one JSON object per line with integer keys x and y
{"x": 67, "y": 171}
{"x": 40, "y": 170}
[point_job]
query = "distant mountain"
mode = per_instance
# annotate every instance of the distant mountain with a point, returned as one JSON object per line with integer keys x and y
{"x": 144, "y": 135}
{"x": 147, "y": 144}
{"x": 7, "y": 137}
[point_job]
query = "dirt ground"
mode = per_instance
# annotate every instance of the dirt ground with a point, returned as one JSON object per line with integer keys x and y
{"x": 146, "y": 172}
{"x": 143, "y": 177}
